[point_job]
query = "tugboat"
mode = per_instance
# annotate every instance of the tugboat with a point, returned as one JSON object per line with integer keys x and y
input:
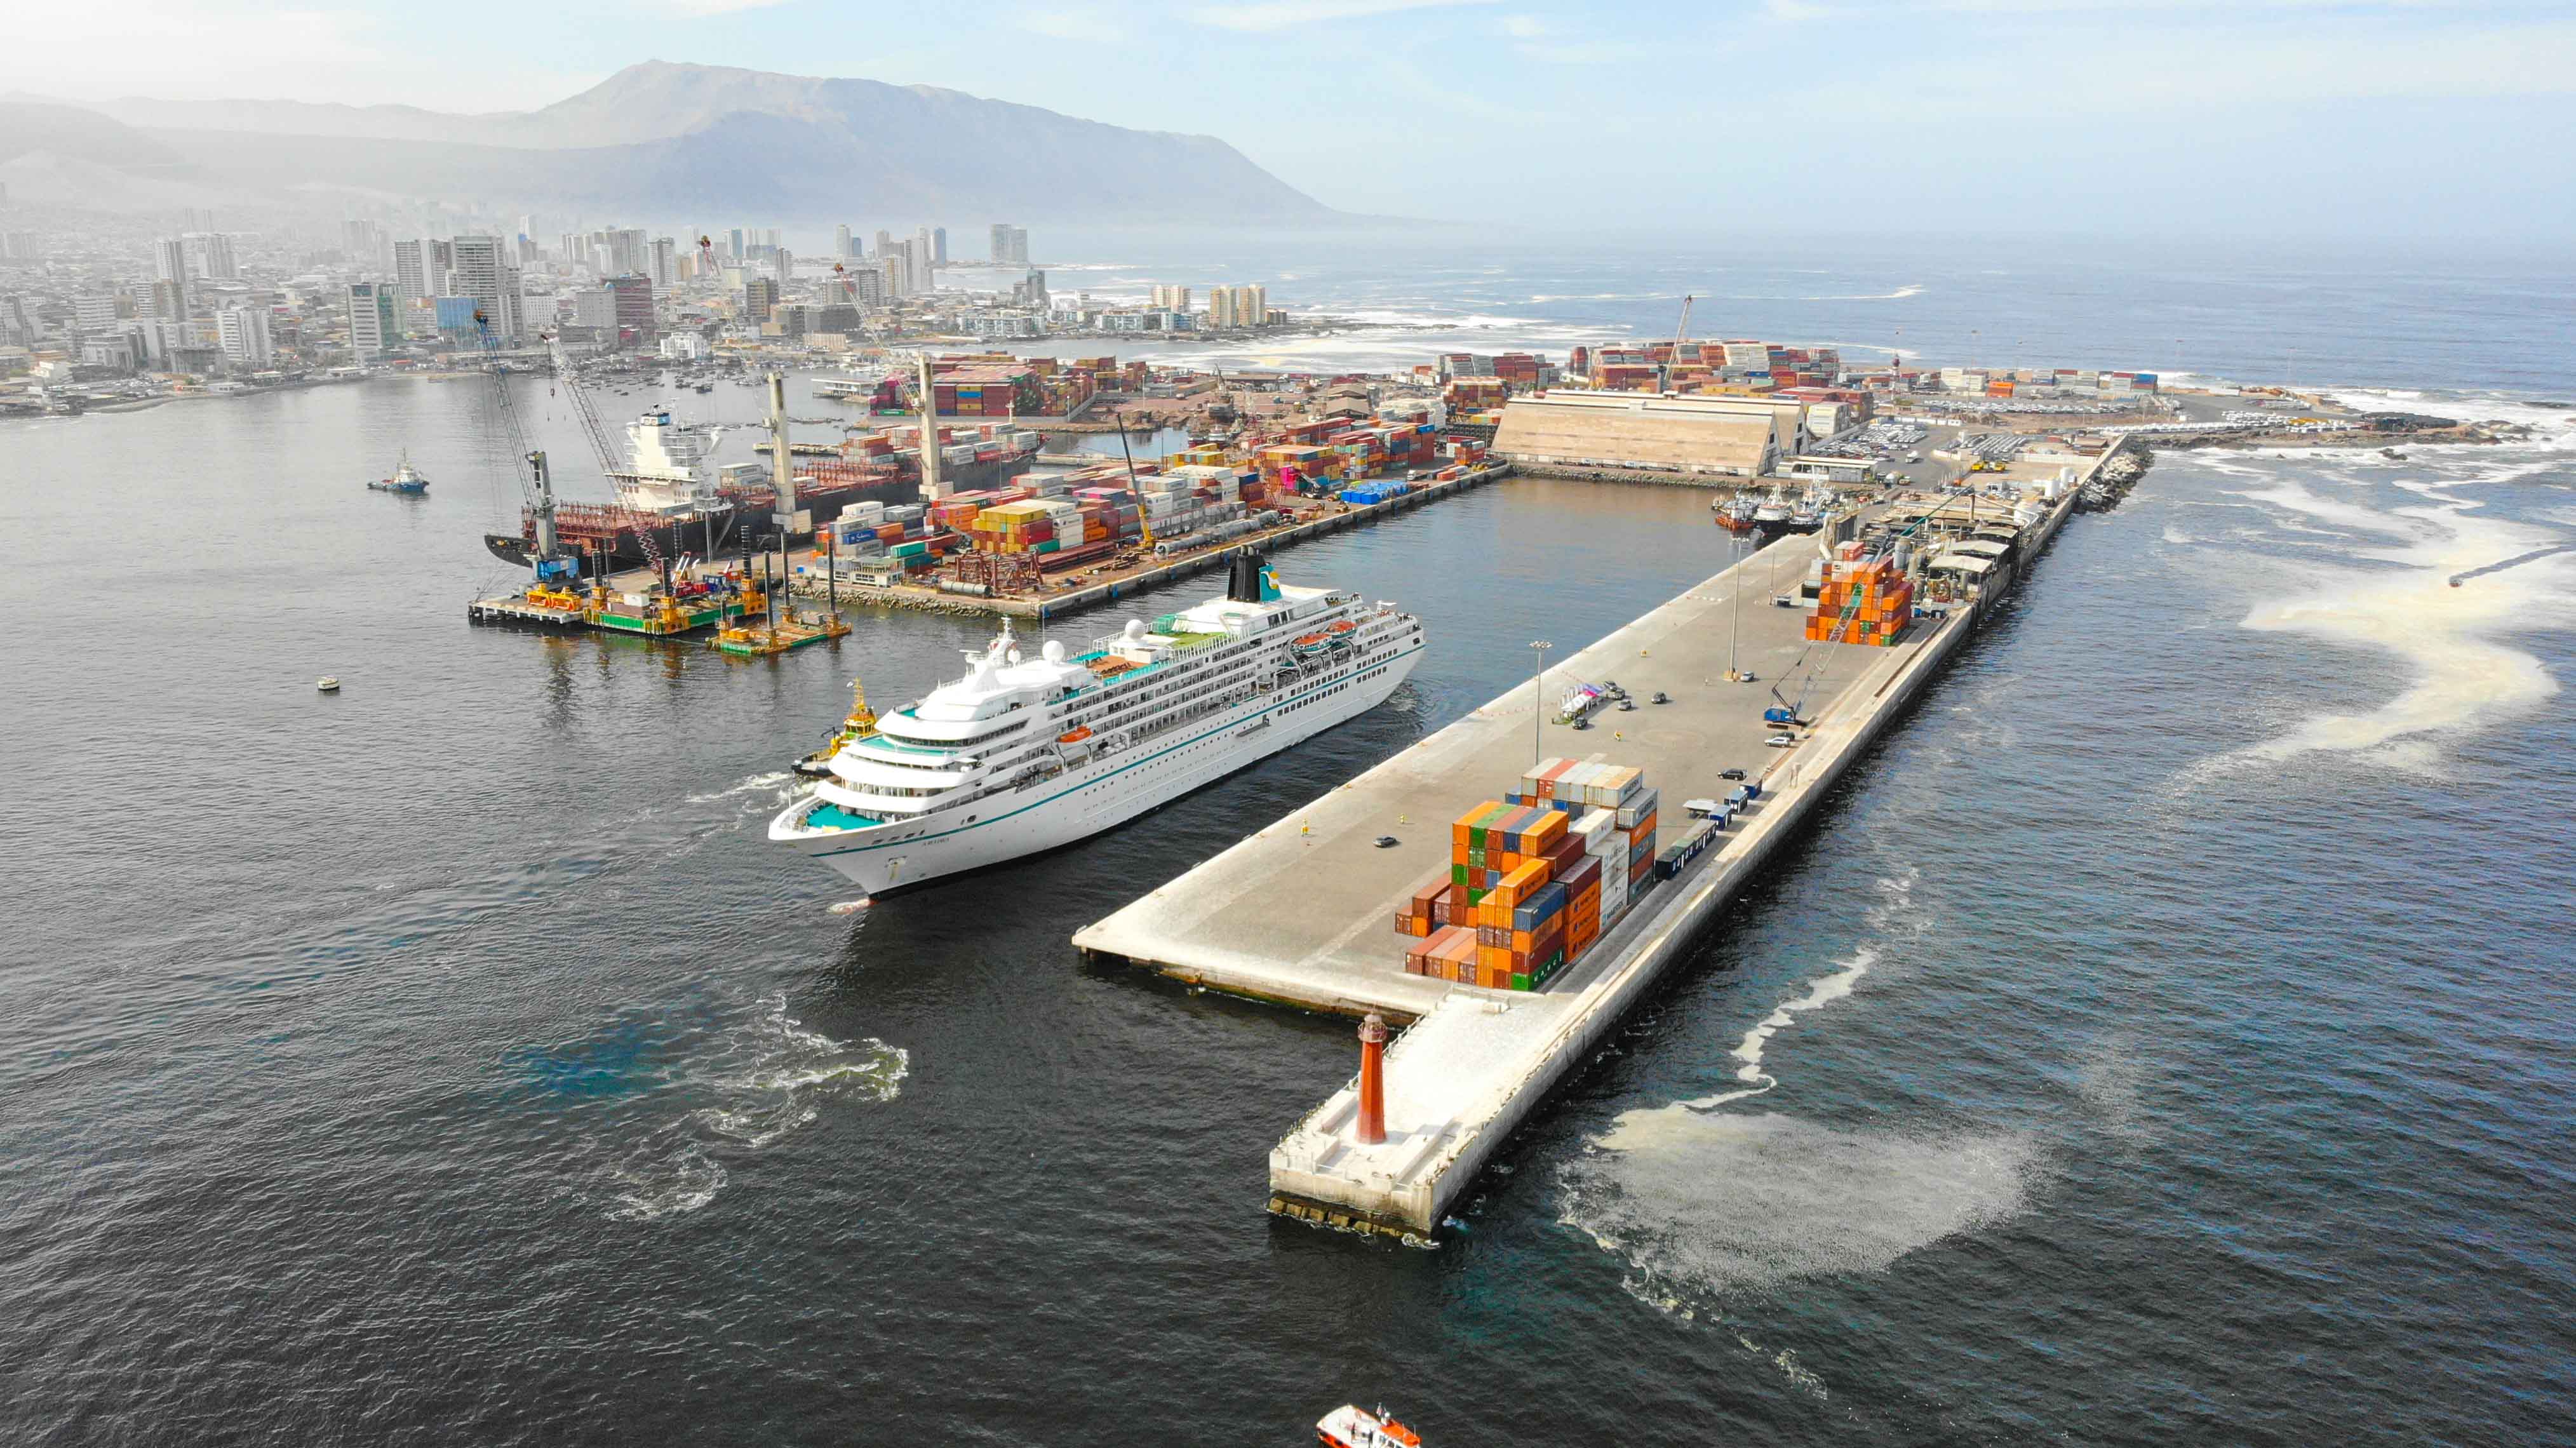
{"x": 406, "y": 481}
{"x": 1352, "y": 1426}
{"x": 862, "y": 724}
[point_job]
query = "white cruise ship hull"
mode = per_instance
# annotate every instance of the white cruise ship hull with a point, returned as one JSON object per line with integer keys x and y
{"x": 1082, "y": 802}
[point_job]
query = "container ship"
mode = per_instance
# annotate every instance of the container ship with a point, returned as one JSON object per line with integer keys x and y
{"x": 675, "y": 497}
{"x": 1025, "y": 754}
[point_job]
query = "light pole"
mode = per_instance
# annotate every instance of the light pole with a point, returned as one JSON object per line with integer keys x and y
{"x": 1734, "y": 615}
{"x": 1538, "y": 698}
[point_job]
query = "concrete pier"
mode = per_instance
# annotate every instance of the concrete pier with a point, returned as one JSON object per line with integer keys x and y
{"x": 1474, "y": 1062}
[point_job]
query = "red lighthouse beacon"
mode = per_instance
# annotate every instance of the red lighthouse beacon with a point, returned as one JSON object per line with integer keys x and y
{"x": 1372, "y": 1123}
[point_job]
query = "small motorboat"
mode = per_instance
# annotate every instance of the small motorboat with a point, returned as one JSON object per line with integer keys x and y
{"x": 1352, "y": 1426}
{"x": 328, "y": 683}
{"x": 406, "y": 481}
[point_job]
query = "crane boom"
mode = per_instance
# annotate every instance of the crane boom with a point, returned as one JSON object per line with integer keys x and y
{"x": 597, "y": 432}
{"x": 1664, "y": 374}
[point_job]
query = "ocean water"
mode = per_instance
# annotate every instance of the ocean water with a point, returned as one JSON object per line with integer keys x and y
{"x": 2162, "y": 1039}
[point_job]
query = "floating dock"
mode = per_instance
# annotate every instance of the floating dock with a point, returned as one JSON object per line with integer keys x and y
{"x": 1474, "y": 1062}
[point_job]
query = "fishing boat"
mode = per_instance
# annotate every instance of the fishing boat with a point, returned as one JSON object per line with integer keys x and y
{"x": 406, "y": 480}
{"x": 1352, "y": 1426}
{"x": 1771, "y": 515}
{"x": 1811, "y": 511}
{"x": 1026, "y": 753}
{"x": 1735, "y": 514}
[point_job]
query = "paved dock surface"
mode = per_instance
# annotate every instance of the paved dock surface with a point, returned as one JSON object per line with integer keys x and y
{"x": 1303, "y": 911}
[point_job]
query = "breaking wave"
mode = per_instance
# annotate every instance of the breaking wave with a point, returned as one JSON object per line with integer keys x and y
{"x": 2421, "y": 583}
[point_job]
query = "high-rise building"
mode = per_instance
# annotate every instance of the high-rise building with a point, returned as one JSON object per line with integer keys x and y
{"x": 634, "y": 320}
{"x": 596, "y": 309}
{"x": 1010, "y": 244}
{"x": 924, "y": 263}
{"x": 480, "y": 270}
{"x": 867, "y": 287}
{"x": 1241, "y": 306}
{"x": 22, "y": 246}
{"x": 243, "y": 333}
{"x": 373, "y": 329}
{"x": 1168, "y": 298}
{"x": 786, "y": 261}
{"x": 95, "y": 313}
{"x": 939, "y": 246}
{"x": 214, "y": 254}
{"x": 885, "y": 245}
{"x": 627, "y": 252}
{"x": 665, "y": 270}
{"x": 897, "y": 266}
{"x": 170, "y": 267}
{"x": 734, "y": 239}
{"x": 759, "y": 294}
{"x": 420, "y": 269}
{"x": 840, "y": 241}
{"x": 364, "y": 243}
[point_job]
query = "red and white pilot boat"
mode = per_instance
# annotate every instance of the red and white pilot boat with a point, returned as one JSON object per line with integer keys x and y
{"x": 1352, "y": 1426}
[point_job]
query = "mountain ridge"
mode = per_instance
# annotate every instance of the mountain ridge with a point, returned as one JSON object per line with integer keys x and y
{"x": 663, "y": 134}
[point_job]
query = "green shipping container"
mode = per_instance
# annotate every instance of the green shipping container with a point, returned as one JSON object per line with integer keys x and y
{"x": 1049, "y": 546}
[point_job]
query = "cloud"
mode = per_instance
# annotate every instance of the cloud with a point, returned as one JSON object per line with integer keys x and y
{"x": 719, "y": 7}
{"x": 1073, "y": 22}
{"x": 1535, "y": 39}
{"x": 1289, "y": 14}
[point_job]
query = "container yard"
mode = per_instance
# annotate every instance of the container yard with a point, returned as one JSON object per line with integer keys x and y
{"x": 1497, "y": 1022}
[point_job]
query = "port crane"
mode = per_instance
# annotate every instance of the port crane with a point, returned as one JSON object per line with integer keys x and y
{"x": 1788, "y": 713}
{"x": 551, "y": 562}
{"x": 596, "y": 433}
{"x": 1664, "y": 374}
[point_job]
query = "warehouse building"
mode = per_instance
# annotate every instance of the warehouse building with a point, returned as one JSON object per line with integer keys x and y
{"x": 1743, "y": 437}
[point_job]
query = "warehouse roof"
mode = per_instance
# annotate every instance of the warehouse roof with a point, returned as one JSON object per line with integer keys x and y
{"x": 1580, "y": 431}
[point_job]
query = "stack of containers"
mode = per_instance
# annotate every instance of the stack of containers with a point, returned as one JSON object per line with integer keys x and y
{"x": 1862, "y": 601}
{"x": 1535, "y": 877}
{"x": 1015, "y": 527}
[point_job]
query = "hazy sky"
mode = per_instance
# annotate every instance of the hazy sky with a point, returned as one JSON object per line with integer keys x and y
{"x": 2424, "y": 119}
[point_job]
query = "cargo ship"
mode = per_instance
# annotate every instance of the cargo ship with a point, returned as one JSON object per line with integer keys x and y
{"x": 1025, "y": 754}
{"x": 672, "y": 495}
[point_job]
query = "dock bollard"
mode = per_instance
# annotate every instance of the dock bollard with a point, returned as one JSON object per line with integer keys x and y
{"x": 1371, "y": 1129}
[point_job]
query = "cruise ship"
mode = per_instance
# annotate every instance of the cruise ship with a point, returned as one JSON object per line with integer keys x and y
{"x": 1024, "y": 754}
